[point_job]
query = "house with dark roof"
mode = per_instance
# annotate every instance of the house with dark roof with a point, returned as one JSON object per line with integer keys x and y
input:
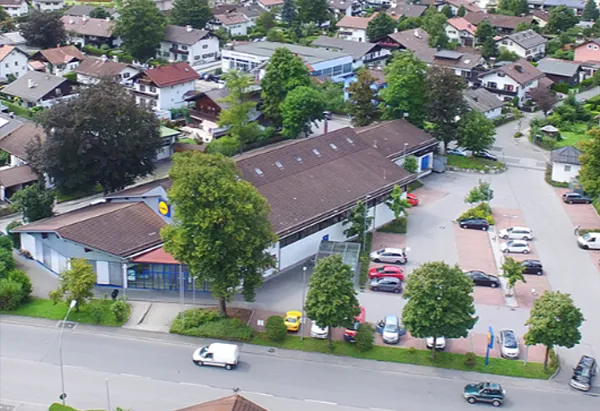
{"x": 560, "y": 71}
{"x": 15, "y": 8}
{"x": 39, "y": 89}
{"x": 164, "y": 87}
{"x": 481, "y": 100}
{"x": 58, "y": 60}
{"x": 195, "y": 46}
{"x": 93, "y": 69}
{"x": 514, "y": 80}
{"x": 398, "y": 10}
{"x": 354, "y": 28}
{"x": 87, "y": 30}
{"x": 235, "y": 22}
{"x": 362, "y": 53}
{"x": 341, "y": 8}
{"x": 526, "y": 44}
{"x": 13, "y": 62}
{"x": 85, "y": 10}
{"x": 547, "y": 5}
{"x": 565, "y": 164}
{"x": 503, "y": 24}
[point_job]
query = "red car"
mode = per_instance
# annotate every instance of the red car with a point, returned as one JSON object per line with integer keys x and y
{"x": 412, "y": 199}
{"x": 386, "y": 271}
{"x": 350, "y": 333}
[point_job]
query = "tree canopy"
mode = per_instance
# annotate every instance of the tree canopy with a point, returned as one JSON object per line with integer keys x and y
{"x": 434, "y": 23}
{"x": 301, "y": 108}
{"x": 195, "y": 13}
{"x": 82, "y": 149}
{"x": 141, "y": 26}
{"x": 590, "y": 11}
{"x": 220, "y": 225}
{"x": 43, "y": 29}
{"x": 358, "y": 221}
{"x": 7, "y": 24}
{"x": 561, "y": 19}
{"x": 485, "y": 37}
{"x": 513, "y": 7}
{"x": 288, "y": 11}
{"x": 312, "y": 11}
{"x": 589, "y": 175}
{"x": 512, "y": 271}
{"x": 544, "y": 98}
{"x": 480, "y": 193}
{"x": 76, "y": 283}
{"x": 379, "y": 27}
{"x": 397, "y": 203}
{"x": 100, "y": 13}
{"x": 362, "y": 99}
{"x": 34, "y": 202}
{"x": 476, "y": 132}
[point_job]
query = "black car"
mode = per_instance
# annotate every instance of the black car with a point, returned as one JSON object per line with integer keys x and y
{"x": 532, "y": 267}
{"x": 390, "y": 284}
{"x": 474, "y": 223}
{"x": 486, "y": 155}
{"x": 576, "y": 198}
{"x": 481, "y": 278}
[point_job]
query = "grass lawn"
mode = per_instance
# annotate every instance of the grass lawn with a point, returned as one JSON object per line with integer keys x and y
{"x": 473, "y": 163}
{"x": 62, "y": 197}
{"x": 187, "y": 140}
{"x": 43, "y": 308}
{"x": 59, "y": 407}
{"x": 571, "y": 138}
{"x": 447, "y": 360}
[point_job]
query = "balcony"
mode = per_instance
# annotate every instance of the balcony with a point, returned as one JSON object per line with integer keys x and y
{"x": 176, "y": 50}
{"x": 501, "y": 91}
{"x": 145, "y": 92}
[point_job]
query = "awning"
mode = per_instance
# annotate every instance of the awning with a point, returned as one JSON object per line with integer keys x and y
{"x": 156, "y": 256}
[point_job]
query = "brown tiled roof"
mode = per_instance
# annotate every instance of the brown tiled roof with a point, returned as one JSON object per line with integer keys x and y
{"x": 355, "y": 22}
{"x": 5, "y": 50}
{"x": 271, "y": 2}
{"x": 498, "y": 20}
{"x": 231, "y": 403}
{"x": 540, "y": 14}
{"x": 389, "y": 137}
{"x": 545, "y": 82}
{"x": 469, "y": 5}
{"x": 307, "y": 179}
{"x": 142, "y": 188}
{"x": 172, "y": 74}
{"x": 231, "y": 18}
{"x": 379, "y": 76}
{"x": 521, "y": 71}
{"x": 61, "y": 55}
{"x": 97, "y": 67}
{"x": 412, "y": 39}
{"x": 121, "y": 229}
{"x": 88, "y": 26}
{"x": 17, "y": 175}
{"x": 16, "y": 142}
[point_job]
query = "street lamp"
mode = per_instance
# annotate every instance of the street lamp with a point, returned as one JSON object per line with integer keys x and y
{"x": 303, "y": 319}
{"x": 63, "y": 395}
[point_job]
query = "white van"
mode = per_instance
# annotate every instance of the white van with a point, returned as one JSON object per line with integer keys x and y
{"x": 218, "y": 355}
{"x": 589, "y": 241}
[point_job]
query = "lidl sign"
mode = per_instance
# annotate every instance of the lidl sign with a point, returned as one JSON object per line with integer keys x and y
{"x": 164, "y": 208}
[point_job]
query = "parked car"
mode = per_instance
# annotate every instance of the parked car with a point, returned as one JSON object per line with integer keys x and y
{"x": 412, "y": 199}
{"x": 474, "y": 223}
{"x": 481, "y": 278}
{"x": 389, "y": 284}
{"x": 589, "y": 241}
{"x": 440, "y": 343}
{"x": 390, "y": 329}
{"x": 389, "y": 255}
{"x": 509, "y": 344}
{"x": 584, "y": 373}
{"x": 485, "y": 155}
{"x": 318, "y": 332}
{"x": 532, "y": 267}
{"x": 484, "y": 392}
{"x": 350, "y": 333}
{"x": 457, "y": 152}
{"x": 516, "y": 233}
{"x": 292, "y": 320}
{"x": 386, "y": 271}
{"x": 576, "y": 198}
{"x": 515, "y": 246}
{"x": 217, "y": 355}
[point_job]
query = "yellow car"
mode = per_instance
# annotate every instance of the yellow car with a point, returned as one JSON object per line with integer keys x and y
{"x": 292, "y": 320}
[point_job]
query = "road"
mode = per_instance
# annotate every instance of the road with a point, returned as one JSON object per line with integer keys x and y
{"x": 155, "y": 375}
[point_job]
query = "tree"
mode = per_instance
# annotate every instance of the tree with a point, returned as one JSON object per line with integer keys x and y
{"x": 358, "y": 221}
{"x": 446, "y": 104}
{"x": 76, "y": 283}
{"x": 82, "y": 148}
{"x": 334, "y": 96}
{"x": 300, "y": 109}
{"x": 561, "y": 19}
{"x": 362, "y": 100}
{"x": 284, "y": 72}
{"x": 507, "y": 55}
{"x": 379, "y": 27}
{"x": 447, "y": 11}
{"x": 461, "y": 11}
{"x": 589, "y": 175}
{"x": 195, "y": 13}
{"x": 312, "y": 11}
{"x": 434, "y": 23}
{"x": 410, "y": 164}
{"x": 141, "y": 26}
{"x": 34, "y": 202}
{"x": 237, "y": 116}
{"x": 485, "y": 37}
{"x": 440, "y": 303}
{"x": 544, "y": 98}
{"x": 331, "y": 300}
{"x": 476, "y": 132}
{"x": 397, "y": 203}
{"x": 513, "y": 272}
{"x": 266, "y": 21}
{"x": 43, "y": 29}
{"x": 405, "y": 75}
{"x": 480, "y": 193}
{"x": 100, "y": 13}
{"x": 408, "y": 23}
{"x": 288, "y": 12}
{"x": 220, "y": 227}
{"x": 7, "y": 24}
{"x": 590, "y": 11}
{"x": 554, "y": 320}
{"x": 522, "y": 26}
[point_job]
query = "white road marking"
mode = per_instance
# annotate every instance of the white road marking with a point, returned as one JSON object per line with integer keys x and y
{"x": 194, "y": 384}
{"x": 133, "y": 375}
{"x": 379, "y": 409}
{"x": 258, "y": 393}
{"x": 321, "y": 402}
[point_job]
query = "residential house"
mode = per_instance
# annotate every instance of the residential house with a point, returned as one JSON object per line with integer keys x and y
{"x": 39, "y": 89}
{"x": 576, "y": 5}
{"x": 588, "y": 51}
{"x": 541, "y": 17}
{"x": 195, "y": 46}
{"x": 459, "y": 29}
{"x": 481, "y": 100}
{"x": 398, "y": 10}
{"x": 163, "y": 88}
{"x": 232, "y": 403}
{"x": 251, "y": 12}
{"x": 84, "y": 10}
{"x": 13, "y": 38}
{"x": 379, "y": 83}
{"x": 93, "y": 69}
{"x": 513, "y": 80}
{"x": 560, "y": 71}
{"x": 341, "y": 8}
{"x": 526, "y": 44}
{"x": 169, "y": 137}
{"x": 13, "y": 62}
{"x": 565, "y": 164}
{"x": 269, "y": 5}
{"x": 503, "y": 24}
{"x": 588, "y": 69}
{"x": 234, "y": 22}
{"x": 362, "y": 53}
{"x": 59, "y": 60}
{"x": 85, "y": 30}
{"x": 15, "y": 8}
{"x": 471, "y": 6}
{"x": 353, "y": 28}
{"x": 48, "y": 5}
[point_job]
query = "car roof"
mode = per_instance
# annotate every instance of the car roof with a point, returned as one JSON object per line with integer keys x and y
{"x": 520, "y": 242}
{"x": 293, "y": 314}
{"x": 392, "y": 250}
{"x": 506, "y": 331}
{"x": 493, "y": 386}
{"x": 391, "y": 318}
{"x": 520, "y": 228}
{"x": 531, "y": 261}
{"x": 393, "y": 279}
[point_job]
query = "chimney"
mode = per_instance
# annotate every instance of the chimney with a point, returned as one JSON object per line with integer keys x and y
{"x": 519, "y": 68}
{"x": 115, "y": 58}
{"x": 30, "y": 83}
{"x": 188, "y": 28}
{"x": 104, "y": 58}
{"x": 475, "y": 98}
{"x": 84, "y": 18}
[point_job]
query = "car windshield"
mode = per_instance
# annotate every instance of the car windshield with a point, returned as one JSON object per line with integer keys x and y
{"x": 291, "y": 320}
{"x": 509, "y": 340}
{"x": 381, "y": 251}
{"x": 586, "y": 236}
{"x": 390, "y": 328}
{"x": 380, "y": 269}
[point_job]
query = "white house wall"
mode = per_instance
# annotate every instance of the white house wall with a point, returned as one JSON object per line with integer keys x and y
{"x": 204, "y": 51}
{"x": 172, "y": 96}
{"x": 102, "y": 272}
{"x": 495, "y": 113}
{"x": 564, "y": 172}
{"x": 28, "y": 244}
{"x": 348, "y": 33}
{"x": 15, "y": 63}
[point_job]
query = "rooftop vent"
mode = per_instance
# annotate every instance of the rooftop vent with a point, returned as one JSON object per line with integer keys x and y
{"x": 333, "y": 146}
{"x": 417, "y": 35}
{"x": 279, "y": 165}
{"x": 519, "y": 68}
{"x": 316, "y": 152}
{"x": 298, "y": 158}
{"x": 259, "y": 172}
{"x": 188, "y": 28}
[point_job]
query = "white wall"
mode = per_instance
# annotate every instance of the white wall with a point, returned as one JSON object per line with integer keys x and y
{"x": 564, "y": 172}
{"x": 352, "y": 34}
{"x": 49, "y": 6}
{"x": 102, "y": 272}
{"x": 172, "y": 96}
{"x": 495, "y": 113}
{"x": 15, "y": 63}
{"x": 28, "y": 243}
{"x": 502, "y": 81}
{"x": 231, "y": 59}
{"x": 204, "y": 51}
{"x": 17, "y": 10}
{"x": 533, "y": 52}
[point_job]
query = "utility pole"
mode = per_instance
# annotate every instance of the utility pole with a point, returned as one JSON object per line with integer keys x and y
{"x": 303, "y": 319}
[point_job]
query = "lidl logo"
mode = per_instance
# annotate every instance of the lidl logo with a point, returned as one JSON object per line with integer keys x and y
{"x": 164, "y": 208}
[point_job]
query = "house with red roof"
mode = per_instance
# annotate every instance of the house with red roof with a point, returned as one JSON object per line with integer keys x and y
{"x": 164, "y": 88}
{"x": 13, "y": 62}
{"x": 461, "y": 30}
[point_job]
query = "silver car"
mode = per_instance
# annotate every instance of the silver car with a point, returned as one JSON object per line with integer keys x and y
{"x": 389, "y": 255}
{"x": 509, "y": 344}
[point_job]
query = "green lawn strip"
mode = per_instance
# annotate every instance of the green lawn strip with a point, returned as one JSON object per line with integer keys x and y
{"x": 414, "y": 185}
{"x": 394, "y": 226}
{"x": 571, "y": 138}
{"x": 43, "y": 308}
{"x": 187, "y": 140}
{"x": 473, "y": 163}
{"x": 59, "y": 407}
{"x": 448, "y": 360}
{"x": 63, "y": 197}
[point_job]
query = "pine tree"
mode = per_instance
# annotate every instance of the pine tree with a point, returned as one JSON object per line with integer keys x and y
{"x": 288, "y": 13}
{"x": 590, "y": 11}
{"x": 362, "y": 105}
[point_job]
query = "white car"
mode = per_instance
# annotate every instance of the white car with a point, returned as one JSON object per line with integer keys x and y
{"x": 515, "y": 246}
{"x": 516, "y": 233}
{"x": 440, "y": 343}
{"x": 509, "y": 344}
{"x": 389, "y": 255}
{"x": 318, "y": 332}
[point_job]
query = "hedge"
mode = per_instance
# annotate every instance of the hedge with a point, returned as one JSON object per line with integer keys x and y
{"x": 481, "y": 210}
{"x": 209, "y": 324}
{"x": 395, "y": 226}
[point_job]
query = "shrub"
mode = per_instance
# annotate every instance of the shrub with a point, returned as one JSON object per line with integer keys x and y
{"x": 554, "y": 362}
{"x": 20, "y": 277}
{"x": 15, "y": 237}
{"x": 96, "y": 310}
{"x": 71, "y": 76}
{"x": 11, "y": 294}
{"x": 395, "y": 226}
{"x": 482, "y": 210}
{"x": 224, "y": 328}
{"x": 7, "y": 261}
{"x": 94, "y": 51}
{"x": 365, "y": 337}
{"x": 197, "y": 317}
{"x": 518, "y": 134}
{"x": 470, "y": 359}
{"x": 275, "y": 328}
{"x": 119, "y": 309}
{"x": 561, "y": 88}
{"x": 6, "y": 243}
{"x": 412, "y": 350}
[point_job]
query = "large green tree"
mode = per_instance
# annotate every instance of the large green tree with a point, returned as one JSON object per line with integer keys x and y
{"x": 288, "y": 11}
{"x": 34, "y": 202}
{"x": 331, "y": 300}
{"x": 512, "y": 270}
{"x": 358, "y": 221}
{"x": 76, "y": 283}
{"x": 589, "y": 175}
{"x": 220, "y": 225}
{"x": 312, "y": 11}
{"x": 362, "y": 99}
{"x": 43, "y": 29}
{"x": 100, "y": 13}
{"x": 485, "y": 37}
{"x": 300, "y": 109}
{"x": 561, "y": 19}
{"x": 398, "y": 203}
{"x": 440, "y": 302}
{"x": 141, "y": 26}
{"x": 404, "y": 96}
{"x": 7, "y": 23}
{"x": 553, "y": 321}
{"x": 195, "y": 13}
{"x": 590, "y": 11}
{"x": 379, "y": 27}
{"x": 100, "y": 137}
{"x": 285, "y": 72}
{"x": 513, "y": 7}
{"x": 434, "y": 23}
{"x": 476, "y": 132}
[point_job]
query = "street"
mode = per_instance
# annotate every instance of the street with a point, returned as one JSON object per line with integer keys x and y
{"x": 157, "y": 375}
